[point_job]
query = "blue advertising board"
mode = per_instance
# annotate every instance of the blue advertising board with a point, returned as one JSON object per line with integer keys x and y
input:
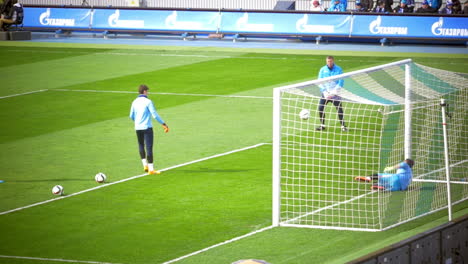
{"x": 285, "y": 23}
{"x": 69, "y": 18}
{"x": 160, "y": 20}
{"x": 296, "y": 24}
{"x": 410, "y": 26}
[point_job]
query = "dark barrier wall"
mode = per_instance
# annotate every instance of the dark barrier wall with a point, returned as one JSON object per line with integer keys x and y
{"x": 445, "y": 244}
{"x": 264, "y": 23}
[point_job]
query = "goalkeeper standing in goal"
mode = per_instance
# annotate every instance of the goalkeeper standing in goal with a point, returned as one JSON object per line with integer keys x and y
{"x": 389, "y": 181}
{"x": 331, "y": 92}
{"x": 141, "y": 111}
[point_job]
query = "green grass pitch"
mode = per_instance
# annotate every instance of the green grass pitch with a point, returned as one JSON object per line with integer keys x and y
{"x": 64, "y": 117}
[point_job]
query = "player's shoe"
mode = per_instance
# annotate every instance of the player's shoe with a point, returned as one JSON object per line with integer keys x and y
{"x": 320, "y": 128}
{"x": 377, "y": 188}
{"x": 146, "y": 168}
{"x": 361, "y": 178}
{"x": 344, "y": 129}
{"x": 154, "y": 172}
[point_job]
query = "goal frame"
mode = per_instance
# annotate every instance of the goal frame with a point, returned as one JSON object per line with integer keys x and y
{"x": 277, "y": 137}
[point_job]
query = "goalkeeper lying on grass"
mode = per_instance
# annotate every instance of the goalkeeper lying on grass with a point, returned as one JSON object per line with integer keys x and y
{"x": 398, "y": 181}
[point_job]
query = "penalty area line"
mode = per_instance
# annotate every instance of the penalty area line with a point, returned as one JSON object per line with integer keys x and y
{"x": 132, "y": 178}
{"x": 20, "y": 94}
{"x": 161, "y": 93}
{"x": 219, "y": 244}
{"x": 56, "y": 260}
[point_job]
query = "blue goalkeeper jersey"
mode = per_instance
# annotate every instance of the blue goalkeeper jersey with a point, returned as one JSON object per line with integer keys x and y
{"x": 141, "y": 112}
{"x": 327, "y": 72}
{"x": 405, "y": 174}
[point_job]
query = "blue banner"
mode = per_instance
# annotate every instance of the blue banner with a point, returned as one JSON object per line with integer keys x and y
{"x": 410, "y": 26}
{"x": 285, "y": 23}
{"x": 60, "y": 18}
{"x": 294, "y": 24}
{"x": 158, "y": 20}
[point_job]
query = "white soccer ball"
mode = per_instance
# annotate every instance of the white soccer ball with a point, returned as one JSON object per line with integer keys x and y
{"x": 100, "y": 177}
{"x": 304, "y": 114}
{"x": 57, "y": 190}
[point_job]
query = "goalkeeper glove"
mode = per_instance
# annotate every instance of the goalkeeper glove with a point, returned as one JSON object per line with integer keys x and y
{"x": 166, "y": 128}
{"x": 387, "y": 169}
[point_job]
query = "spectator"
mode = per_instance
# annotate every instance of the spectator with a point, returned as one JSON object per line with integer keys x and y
{"x": 367, "y": 5}
{"x": 316, "y": 7}
{"x": 14, "y": 15}
{"x": 447, "y": 10}
{"x": 345, "y": 4}
{"x": 425, "y": 8}
{"x": 457, "y": 7}
{"x": 465, "y": 8}
{"x": 402, "y": 8}
{"x": 388, "y": 5}
{"x": 359, "y": 7}
{"x": 435, "y": 4}
{"x": 337, "y": 6}
{"x": 380, "y": 8}
{"x": 5, "y": 6}
{"x": 410, "y": 4}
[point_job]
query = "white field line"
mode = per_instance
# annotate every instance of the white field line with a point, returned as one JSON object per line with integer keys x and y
{"x": 131, "y": 178}
{"x": 219, "y": 244}
{"x": 57, "y": 260}
{"x": 14, "y": 95}
{"x": 438, "y": 170}
{"x": 329, "y": 206}
{"x": 183, "y": 94}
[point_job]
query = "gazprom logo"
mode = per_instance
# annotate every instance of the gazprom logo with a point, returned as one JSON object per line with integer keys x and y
{"x": 439, "y": 30}
{"x": 303, "y": 26}
{"x": 115, "y": 21}
{"x": 45, "y": 20}
{"x": 375, "y": 28}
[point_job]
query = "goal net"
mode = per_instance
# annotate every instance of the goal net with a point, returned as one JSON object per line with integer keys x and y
{"x": 392, "y": 112}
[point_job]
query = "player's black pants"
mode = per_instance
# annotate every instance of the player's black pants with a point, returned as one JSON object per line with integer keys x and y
{"x": 338, "y": 106}
{"x": 145, "y": 139}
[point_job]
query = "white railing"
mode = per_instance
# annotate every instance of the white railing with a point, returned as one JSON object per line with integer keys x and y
{"x": 301, "y": 5}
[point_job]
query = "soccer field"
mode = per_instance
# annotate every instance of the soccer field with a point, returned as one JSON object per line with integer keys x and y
{"x": 64, "y": 118}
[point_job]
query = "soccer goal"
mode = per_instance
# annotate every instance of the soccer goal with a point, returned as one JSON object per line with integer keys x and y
{"x": 392, "y": 112}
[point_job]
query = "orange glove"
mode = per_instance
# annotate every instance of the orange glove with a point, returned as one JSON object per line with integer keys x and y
{"x": 166, "y": 128}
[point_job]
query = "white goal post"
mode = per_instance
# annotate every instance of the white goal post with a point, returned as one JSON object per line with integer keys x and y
{"x": 392, "y": 112}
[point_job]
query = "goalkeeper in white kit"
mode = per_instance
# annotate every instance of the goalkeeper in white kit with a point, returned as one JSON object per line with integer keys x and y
{"x": 141, "y": 112}
{"x": 398, "y": 181}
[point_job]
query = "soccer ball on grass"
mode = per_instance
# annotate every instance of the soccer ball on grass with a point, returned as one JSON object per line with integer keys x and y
{"x": 304, "y": 114}
{"x": 57, "y": 190}
{"x": 100, "y": 177}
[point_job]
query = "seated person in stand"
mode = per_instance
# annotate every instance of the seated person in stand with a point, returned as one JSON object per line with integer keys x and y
{"x": 457, "y": 6}
{"x": 316, "y": 7}
{"x": 5, "y": 6}
{"x": 402, "y": 8}
{"x": 367, "y": 5}
{"x": 359, "y": 7}
{"x": 425, "y": 8}
{"x": 380, "y": 8}
{"x": 337, "y": 6}
{"x": 448, "y": 9}
{"x": 14, "y": 16}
